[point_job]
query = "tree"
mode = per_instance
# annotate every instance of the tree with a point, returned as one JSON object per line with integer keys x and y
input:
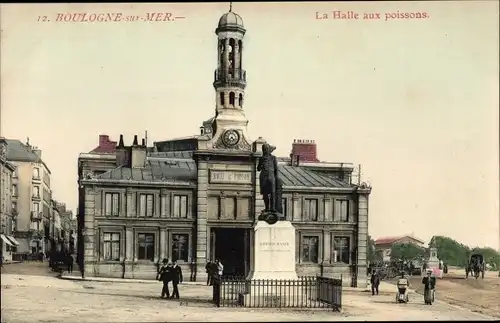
{"x": 451, "y": 251}
{"x": 491, "y": 256}
{"x": 371, "y": 253}
{"x": 407, "y": 251}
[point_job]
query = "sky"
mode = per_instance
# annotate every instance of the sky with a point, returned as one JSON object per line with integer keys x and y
{"x": 414, "y": 101}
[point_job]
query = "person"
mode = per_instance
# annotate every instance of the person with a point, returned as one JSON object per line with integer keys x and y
{"x": 220, "y": 267}
{"x": 208, "y": 269}
{"x": 403, "y": 285}
{"x": 176, "y": 279}
{"x": 69, "y": 262}
{"x": 165, "y": 275}
{"x": 429, "y": 287}
{"x": 375, "y": 282}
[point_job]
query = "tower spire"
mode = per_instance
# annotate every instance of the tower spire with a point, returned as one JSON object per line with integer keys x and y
{"x": 230, "y": 6}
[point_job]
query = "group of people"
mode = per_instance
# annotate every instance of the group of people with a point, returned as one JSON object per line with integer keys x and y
{"x": 170, "y": 272}
{"x": 214, "y": 270}
{"x": 429, "y": 282}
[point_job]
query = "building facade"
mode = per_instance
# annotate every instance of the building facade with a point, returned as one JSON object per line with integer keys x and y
{"x": 31, "y": 196}
{"x": 7, "y": 213}
{"x": 383, "y": 245}
{"x": 197, "y": 198}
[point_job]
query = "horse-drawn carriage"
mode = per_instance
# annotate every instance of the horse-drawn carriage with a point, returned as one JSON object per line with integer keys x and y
{"x": 476, "y": 266}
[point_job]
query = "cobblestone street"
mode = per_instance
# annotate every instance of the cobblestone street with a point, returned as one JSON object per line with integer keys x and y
{"x": 29, "y": 298}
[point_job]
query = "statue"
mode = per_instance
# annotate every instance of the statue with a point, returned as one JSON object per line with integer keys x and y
{"x": 270, "y": 185}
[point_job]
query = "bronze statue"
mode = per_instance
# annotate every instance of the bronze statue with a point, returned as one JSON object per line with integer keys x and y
{"x": 271, "y": 186}
{"x": 268, "y": 168}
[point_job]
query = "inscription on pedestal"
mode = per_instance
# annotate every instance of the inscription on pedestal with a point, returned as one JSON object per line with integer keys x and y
{"x": 230, "y": 177}
{"x": 275, "y": 246}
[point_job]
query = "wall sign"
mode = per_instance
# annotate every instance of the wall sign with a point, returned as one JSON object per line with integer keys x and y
{"x": 230, "y": 177}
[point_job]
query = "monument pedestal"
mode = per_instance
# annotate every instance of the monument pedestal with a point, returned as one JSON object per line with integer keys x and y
{"x": 273, "y": 270}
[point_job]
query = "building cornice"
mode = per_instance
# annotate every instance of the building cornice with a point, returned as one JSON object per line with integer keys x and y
{"x": 127, "y": 183}
{"x": 316, "y": 189}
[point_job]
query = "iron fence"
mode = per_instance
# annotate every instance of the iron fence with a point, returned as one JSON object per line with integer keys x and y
{"x": 304, "y": 292}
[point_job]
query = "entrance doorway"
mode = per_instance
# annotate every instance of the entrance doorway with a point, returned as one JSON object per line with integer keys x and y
{"x": 231, "y": 246}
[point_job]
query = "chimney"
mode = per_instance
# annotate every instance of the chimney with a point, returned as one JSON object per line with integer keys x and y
{"x": 37, "y": 152}
{"x": 103, "y": 140}
{"x": 138, "y": 154}
{"x": 304, "y": 150}
{"x": 122, "y": 154}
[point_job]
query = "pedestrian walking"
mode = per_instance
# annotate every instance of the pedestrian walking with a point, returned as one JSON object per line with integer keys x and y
{"x": 208, "y": 269}
{"x": 165, "y": 276}
{"x": 69, "y": 262}
{"x": 375, "y": 282}
{"x": 176, "y": 279}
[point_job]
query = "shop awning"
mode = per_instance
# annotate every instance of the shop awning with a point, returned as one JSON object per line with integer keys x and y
{"x": 14, "y": 241}
{"x": 6, "y": 240}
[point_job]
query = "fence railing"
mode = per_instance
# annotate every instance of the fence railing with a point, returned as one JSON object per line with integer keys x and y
{"x": 304, "y": 292}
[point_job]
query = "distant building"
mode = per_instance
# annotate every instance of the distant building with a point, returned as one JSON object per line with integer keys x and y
{"x": 7, "y": 212}
{"x": 197, "y": 198}
{"x": 31, "y": 196}
{"x": 384, "y": 245}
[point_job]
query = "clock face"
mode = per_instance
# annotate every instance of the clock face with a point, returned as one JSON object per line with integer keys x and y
{"x": 231, "y": 137}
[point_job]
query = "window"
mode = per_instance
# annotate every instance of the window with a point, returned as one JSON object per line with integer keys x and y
{"x": 241, "y": 99}
{"x": 14, "y": 206}
{"x": 310, "y": 210}
{"x": 180, "y": 206}
{"x": 35, "y": 225}
{"x": 341, "y": 250}
{"x": 36, "y": 173}
{"x": 222, "y": 98}
{"x": 310, "y": 249}
{"x": 112, "y": 204}
{"x": 36, "y": 191}
{"x": 36, "y": 209}
{"x": 146, "y": 243}
{"x": 180, "y": 247}
{"x": 147, "y": 205}
{"x": 231, "y": 98}
{"x": 14, "y": 190}
{"x": 111, "y": 246}
{"x": 341, "y": 211}
{"x": 283, "y": 206}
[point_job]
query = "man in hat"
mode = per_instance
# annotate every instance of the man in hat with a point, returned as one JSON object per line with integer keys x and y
{"x": 176, "y": 279}
{"x": 429, "y": 282}
{"x": 165, "y": 275}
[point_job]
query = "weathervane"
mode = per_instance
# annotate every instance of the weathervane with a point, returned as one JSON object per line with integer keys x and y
{"x": 230, "y": 6}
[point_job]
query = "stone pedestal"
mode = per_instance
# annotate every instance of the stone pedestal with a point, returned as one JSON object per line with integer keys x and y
{"x": 273, "y": 252}
{"x": 273, "y": 269}
{"x": 433, "y": 263}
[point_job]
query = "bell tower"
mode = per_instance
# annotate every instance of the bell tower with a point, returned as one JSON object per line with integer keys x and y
{"x": 228, "y": 128}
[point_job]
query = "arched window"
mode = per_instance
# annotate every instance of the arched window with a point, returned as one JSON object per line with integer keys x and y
{"x": 221, "y": 95}
{"x": 232, "y": 53}
{"x": 231, "y": 98}
{"x": 241, "y": 100}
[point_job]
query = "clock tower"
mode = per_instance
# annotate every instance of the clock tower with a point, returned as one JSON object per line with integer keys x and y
{"x": 228, "y": 129}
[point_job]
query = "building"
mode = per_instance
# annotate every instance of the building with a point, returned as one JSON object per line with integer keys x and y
{"x": 384, "y": 245}
{"x": 7, "y": 213}
{"x": 31, "y": 196}
{"x": 60, "y": 229}
{"x": 197, "y": 198}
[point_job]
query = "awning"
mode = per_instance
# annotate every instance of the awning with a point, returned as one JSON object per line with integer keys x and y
{"x": 6, "y": 240}
{"x": 14, "y": 241}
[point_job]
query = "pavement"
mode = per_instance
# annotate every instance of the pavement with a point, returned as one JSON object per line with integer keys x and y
{"x": 45, "y": 298}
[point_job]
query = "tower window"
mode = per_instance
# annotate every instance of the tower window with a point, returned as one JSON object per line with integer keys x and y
{"x": 241, "y": 100}
{"x": 231, "y": 98}
{"x": 232, "y": 42}
{"x": 221, "y": 98}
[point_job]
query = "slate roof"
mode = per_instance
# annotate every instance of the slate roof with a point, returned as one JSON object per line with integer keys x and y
{"x": 156, "y": 171}
{"x": 17, "y": 151}
{"x": 172, "y": 154}
{"x": 181, "y": 168}
{"x": 301, "y": 176}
